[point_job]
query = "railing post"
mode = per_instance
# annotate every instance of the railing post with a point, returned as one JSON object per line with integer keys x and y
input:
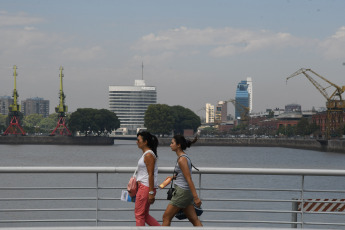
{"x": 200, "y": 189}
{"x": 302, "y": 203}
{"x": 97, "y": 199}
{"x": 294, "y": 214}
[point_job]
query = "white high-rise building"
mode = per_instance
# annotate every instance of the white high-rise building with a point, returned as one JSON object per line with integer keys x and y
{"x": 250, "y": 91}
{"x": 130, "y": 103}
{"x": 209, "y": 113}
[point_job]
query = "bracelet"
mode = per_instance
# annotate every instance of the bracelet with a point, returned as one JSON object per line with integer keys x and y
{"x": 151, "y": 192}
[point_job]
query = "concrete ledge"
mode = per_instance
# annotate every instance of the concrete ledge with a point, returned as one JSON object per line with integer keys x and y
{"x": 310, "y": 144}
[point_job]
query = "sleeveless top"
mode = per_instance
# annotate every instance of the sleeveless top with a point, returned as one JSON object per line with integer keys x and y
{"x": 180, "y": 179}
{"x": 142, "y": 174}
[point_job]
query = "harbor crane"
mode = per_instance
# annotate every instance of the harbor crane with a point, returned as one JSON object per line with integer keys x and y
{"x": 61, "y": 110}
{"x": 243, "y": 109}
{"x": 14, "y": 113}
{"x": 335, "y": 104}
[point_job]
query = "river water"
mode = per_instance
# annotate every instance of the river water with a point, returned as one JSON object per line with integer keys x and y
{"x": 126, "y": 153}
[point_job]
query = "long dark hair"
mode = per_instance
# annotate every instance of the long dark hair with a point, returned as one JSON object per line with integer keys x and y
{"x": 152, "y": 140}
{"x": 185, "y": 143}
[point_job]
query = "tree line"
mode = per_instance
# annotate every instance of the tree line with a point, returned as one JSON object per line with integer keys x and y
{"x": 159, "y": 119}
{"x": 163, "y": 119}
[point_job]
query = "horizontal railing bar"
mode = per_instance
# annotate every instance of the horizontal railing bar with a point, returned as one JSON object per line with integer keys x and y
{"x": 213, "y": 221}
{"x": 250, "y": 210}
{"x": 47, "y": 209}
{"x": 333, "y": 191}
{"x": 321, "y": 201}
{"x": 250, "y": 221}
{"x": 118, "y": 221}
{"x": 258, "y": 171}
{"x": 50, "y": 220}
{"x": 318, "y": 223}
{"x": 50, "y": 198}
{"x": 132, "y": 209}
{"x": 252, "y": 189}
{"x": 248, "y": 200}
{"x": 328, "y": 213}
{"x": 202, "y": 189}
{"x": 46, "y": 188}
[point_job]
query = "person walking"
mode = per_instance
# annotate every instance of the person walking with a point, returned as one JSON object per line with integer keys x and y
{"x": 185, "y": 193}
{"x": 147, "y": 179}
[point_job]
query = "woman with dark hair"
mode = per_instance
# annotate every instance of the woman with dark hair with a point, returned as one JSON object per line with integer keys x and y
{"x": 185, "y": 193}
{"x": 147, "y": 179}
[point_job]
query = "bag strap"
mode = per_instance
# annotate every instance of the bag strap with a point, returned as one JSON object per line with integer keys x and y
{"x": 185, "y": 155}
{"x": 135, "y": 172}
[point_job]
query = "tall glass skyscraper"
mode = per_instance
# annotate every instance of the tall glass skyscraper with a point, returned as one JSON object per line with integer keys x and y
{"x": 130, "y": 103}
{"x": 242, "y": 97}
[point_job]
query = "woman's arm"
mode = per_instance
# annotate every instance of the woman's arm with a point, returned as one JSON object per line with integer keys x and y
{"x": 150, "y": 166}
{"x": 183, "y": 163}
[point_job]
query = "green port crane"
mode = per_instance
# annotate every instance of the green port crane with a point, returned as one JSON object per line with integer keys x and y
{"x": 14, "y": 113}
{"x": 61, "y": 110}
{"x": 335, "y": 103}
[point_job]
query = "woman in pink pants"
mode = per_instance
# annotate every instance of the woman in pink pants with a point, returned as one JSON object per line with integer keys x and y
{"x": 147, "y": 179}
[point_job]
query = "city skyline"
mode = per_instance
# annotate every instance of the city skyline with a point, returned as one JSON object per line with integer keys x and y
{"x": 194, "y": 52}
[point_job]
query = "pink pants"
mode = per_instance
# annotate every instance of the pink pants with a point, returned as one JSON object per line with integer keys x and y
{"x": 142, "y": 207}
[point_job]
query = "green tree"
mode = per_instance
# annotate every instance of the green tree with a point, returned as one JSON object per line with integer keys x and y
{"x": 159, "y": 119}
{"x": 185, "y": 119}
{"x": 302, "y": 127}
{"x": 3, "y": 125}
{"x": 305, "y": 128}
{"x": 290, "y": 131}
{"x": 32, "y": 120}
{"x": 87, "y": 120}
{"x": 47, "y": 124}
{"x": 106, "y": 121}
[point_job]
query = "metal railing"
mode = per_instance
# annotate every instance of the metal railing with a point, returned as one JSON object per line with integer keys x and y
{"x": 246, "y": 197}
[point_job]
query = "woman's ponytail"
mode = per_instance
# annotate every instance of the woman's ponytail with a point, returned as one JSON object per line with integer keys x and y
{"x": 185, "y": 143}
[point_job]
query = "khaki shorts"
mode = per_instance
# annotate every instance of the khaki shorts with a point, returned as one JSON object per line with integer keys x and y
{"x": 181, "y": 198}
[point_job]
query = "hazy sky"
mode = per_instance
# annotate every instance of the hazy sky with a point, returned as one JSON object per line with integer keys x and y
{"x": 194, "y": 51}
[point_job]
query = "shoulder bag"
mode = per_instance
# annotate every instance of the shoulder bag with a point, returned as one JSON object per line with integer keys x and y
{"x": 132, "y": 186}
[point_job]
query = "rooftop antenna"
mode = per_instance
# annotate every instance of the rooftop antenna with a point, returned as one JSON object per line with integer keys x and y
{"x": 14, "y": 113}
{"x": 142, "y": 70}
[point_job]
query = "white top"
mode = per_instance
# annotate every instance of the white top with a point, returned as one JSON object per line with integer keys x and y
{"x": 142, "y": 174}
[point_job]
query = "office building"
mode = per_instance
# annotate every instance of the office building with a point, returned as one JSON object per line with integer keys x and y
{"x": 130, "y": 103}
{"x": 242, "y": 98}
{"x": 5, "y": 102}
{"x": 209, "y": 113}
{"x": 221, "y": 112}
{"x": 250, "y": 91}
{"x": 35, "y": 105}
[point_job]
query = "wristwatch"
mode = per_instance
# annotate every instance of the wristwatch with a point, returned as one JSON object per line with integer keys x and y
{"x": 151, "y": 192}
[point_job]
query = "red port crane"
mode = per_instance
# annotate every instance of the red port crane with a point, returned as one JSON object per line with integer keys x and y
{"x": 14, "y": 126}
{"x": 61, "y": 110}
